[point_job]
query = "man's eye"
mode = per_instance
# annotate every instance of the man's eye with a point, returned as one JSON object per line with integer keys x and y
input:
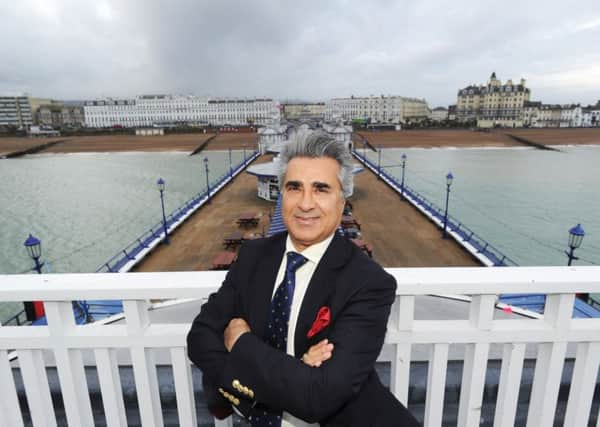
{"x": 322, "y": 190}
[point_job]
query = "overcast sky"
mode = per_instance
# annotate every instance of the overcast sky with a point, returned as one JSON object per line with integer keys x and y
{"x": 311, "y": 50}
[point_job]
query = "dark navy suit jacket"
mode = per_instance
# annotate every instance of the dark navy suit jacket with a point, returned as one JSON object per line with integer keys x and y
{"x": 343, "y": 391}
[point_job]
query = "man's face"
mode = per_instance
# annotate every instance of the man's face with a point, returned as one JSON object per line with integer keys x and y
{"x": 312, "y": 200}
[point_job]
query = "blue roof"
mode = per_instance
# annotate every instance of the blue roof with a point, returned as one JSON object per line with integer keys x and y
{"x": 537, "y": 302}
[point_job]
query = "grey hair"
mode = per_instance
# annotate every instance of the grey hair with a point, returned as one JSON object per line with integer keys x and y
{"x": 314, "y": 145}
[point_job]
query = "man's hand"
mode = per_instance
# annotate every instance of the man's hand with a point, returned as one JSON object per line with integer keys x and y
{"x": 233, "y": 331}
{"x": 318, "y": 353}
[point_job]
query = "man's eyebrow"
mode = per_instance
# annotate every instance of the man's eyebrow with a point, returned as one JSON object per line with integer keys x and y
{"x": 320, "y": 185}
{"x": 293, "y": 184}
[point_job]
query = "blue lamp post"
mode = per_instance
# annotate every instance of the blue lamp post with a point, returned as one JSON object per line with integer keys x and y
{"x": 34, "y": 249}
{"x": 230, "y": 167}
{"x": 161, "y": 187}
{"x": 403, "y": 167}
{"x": 207, "y": 184}
{"x": 449, "y": 179}
{"x": 244, "y": 154}
{"x": 576, "y": 235}
{"x": 379, "y": 163}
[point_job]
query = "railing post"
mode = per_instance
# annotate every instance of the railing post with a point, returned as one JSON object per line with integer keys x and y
{"x": 583, "y": 383}
{"x": 402, "y": 319}
{"x": 110, "y": 387}
{"x": 10, "y": 410}
{"x": 144, "y": 368}
{"x": 508, "y": 388}
{"x": 184, "y": 389}
{"x": 436, "y": 384}
{"x": 69, "y": 364}
{"x": 475, "y": 363}
{"x": 550, "y": 362}
{"x": 35, "y": 379}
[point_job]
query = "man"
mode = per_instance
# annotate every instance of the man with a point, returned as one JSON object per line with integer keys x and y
{"x": 292, "y": 335}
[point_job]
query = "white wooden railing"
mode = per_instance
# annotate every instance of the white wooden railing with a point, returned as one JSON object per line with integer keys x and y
{"x": 142, "y": 338}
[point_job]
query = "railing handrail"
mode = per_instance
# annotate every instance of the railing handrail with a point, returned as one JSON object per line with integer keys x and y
{"x": 142, "y": 338}
{"x": 195, "y": 284}
{"x": 483, "y": 246}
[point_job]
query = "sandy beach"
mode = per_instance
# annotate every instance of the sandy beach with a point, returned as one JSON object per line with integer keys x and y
{"x": 467, "y": 138}
{"x": 122, "y": 143}
{"x": 428, "y": 138}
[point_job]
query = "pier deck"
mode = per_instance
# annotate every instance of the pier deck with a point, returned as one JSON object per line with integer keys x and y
{"x": 401, "y": 236}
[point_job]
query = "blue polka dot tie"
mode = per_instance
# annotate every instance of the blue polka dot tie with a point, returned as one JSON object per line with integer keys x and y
{"x": 277, "y": 328}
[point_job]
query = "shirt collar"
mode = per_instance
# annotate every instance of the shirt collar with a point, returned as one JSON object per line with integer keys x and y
{"x": 313, "y": 253}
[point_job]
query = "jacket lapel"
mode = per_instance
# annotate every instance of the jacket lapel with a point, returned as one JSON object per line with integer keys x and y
{"x": 320, "y": 288}
{"x": 263, "y": 282}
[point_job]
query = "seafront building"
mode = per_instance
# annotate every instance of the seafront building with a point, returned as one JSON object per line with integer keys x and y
{"x": 439, "y": 114}
{"x": 539, "y": 115}
{"x": 494, "y": 104}
{"x": 173, "y": 110}
{"x": 304, "y": 111}
{"x": 379, "y": 109}
{"x": 15, "y": 111}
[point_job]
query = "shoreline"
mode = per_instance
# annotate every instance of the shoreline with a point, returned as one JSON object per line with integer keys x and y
{"x": 426, "y": 139}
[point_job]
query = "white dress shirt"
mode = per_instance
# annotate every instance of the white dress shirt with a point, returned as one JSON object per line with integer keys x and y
{"x": 313, "y": 254}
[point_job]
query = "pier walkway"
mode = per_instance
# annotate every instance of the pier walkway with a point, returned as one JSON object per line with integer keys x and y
{"x": 401, "y": 236}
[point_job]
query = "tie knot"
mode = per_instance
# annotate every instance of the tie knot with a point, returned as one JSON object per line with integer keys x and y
{"x": 294, "y": 261}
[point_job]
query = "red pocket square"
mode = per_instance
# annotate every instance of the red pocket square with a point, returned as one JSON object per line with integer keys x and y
{"x": 321, "y": 322}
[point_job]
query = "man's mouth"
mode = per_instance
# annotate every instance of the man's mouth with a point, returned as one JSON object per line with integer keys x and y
{"x": 306, "y": 220}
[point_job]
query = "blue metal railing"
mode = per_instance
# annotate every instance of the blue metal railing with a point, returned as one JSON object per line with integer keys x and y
{"x": 144, "y": 241}
{"x": 467, "y": 235}
{"x": 533, "y": 302}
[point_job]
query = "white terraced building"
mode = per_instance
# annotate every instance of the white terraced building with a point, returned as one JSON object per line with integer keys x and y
{"x": 380, "y": 109}
{"x": 168, "y": 110}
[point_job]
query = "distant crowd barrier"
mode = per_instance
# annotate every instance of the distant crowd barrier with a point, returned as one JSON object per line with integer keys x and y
{"x": 475, "y": 244}
{"x": 129, "y": 256}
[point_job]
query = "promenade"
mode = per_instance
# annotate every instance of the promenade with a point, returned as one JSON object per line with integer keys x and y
{"x": 425, "y": 138}
{"x": 401, "y": 236}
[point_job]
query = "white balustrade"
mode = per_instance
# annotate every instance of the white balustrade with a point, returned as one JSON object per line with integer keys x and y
{"x": 32, "y": 348}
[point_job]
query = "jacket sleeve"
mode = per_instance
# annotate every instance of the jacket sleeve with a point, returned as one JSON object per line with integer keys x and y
{"x": 205, "y": 339}
{"x": 282, "y": 382}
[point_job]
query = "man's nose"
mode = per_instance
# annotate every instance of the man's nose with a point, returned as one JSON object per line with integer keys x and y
{"x": 307, "y": 202}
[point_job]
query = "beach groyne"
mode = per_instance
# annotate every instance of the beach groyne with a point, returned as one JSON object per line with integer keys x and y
{"x": 365, "y": 141}
{"x": 531, "y": 143}
{"x": 32, "y": 150}
{"x": 202, "y": 146}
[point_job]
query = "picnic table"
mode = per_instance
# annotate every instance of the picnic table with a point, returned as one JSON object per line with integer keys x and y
{"x": 223, "y": 260}
{"x": 248, "y": 219}
{"x": 233, "y": 240}
{"x": 349, "y": 222}
{"x": 364, "y": 246}
{"x": 252, "y": 236}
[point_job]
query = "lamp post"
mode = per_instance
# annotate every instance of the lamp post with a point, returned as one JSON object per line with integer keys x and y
{"x": 161, "y": 187}
{"x": 575, "y": 238}
{"x": 379, "y": 163}
{"x": 403, "y": 167}
{"x": 449, "y": 179}
{"x": 207, "y": 184}
{"x": 244, "y": 154}
{"x": 34, "y": 249}
{"x": 230, "y": 167}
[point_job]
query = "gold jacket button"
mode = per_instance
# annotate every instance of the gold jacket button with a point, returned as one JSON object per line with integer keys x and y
{"x": 236, "y": 401}
{"x": 250, "y": 394}
{"x": 236, "y": 384}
